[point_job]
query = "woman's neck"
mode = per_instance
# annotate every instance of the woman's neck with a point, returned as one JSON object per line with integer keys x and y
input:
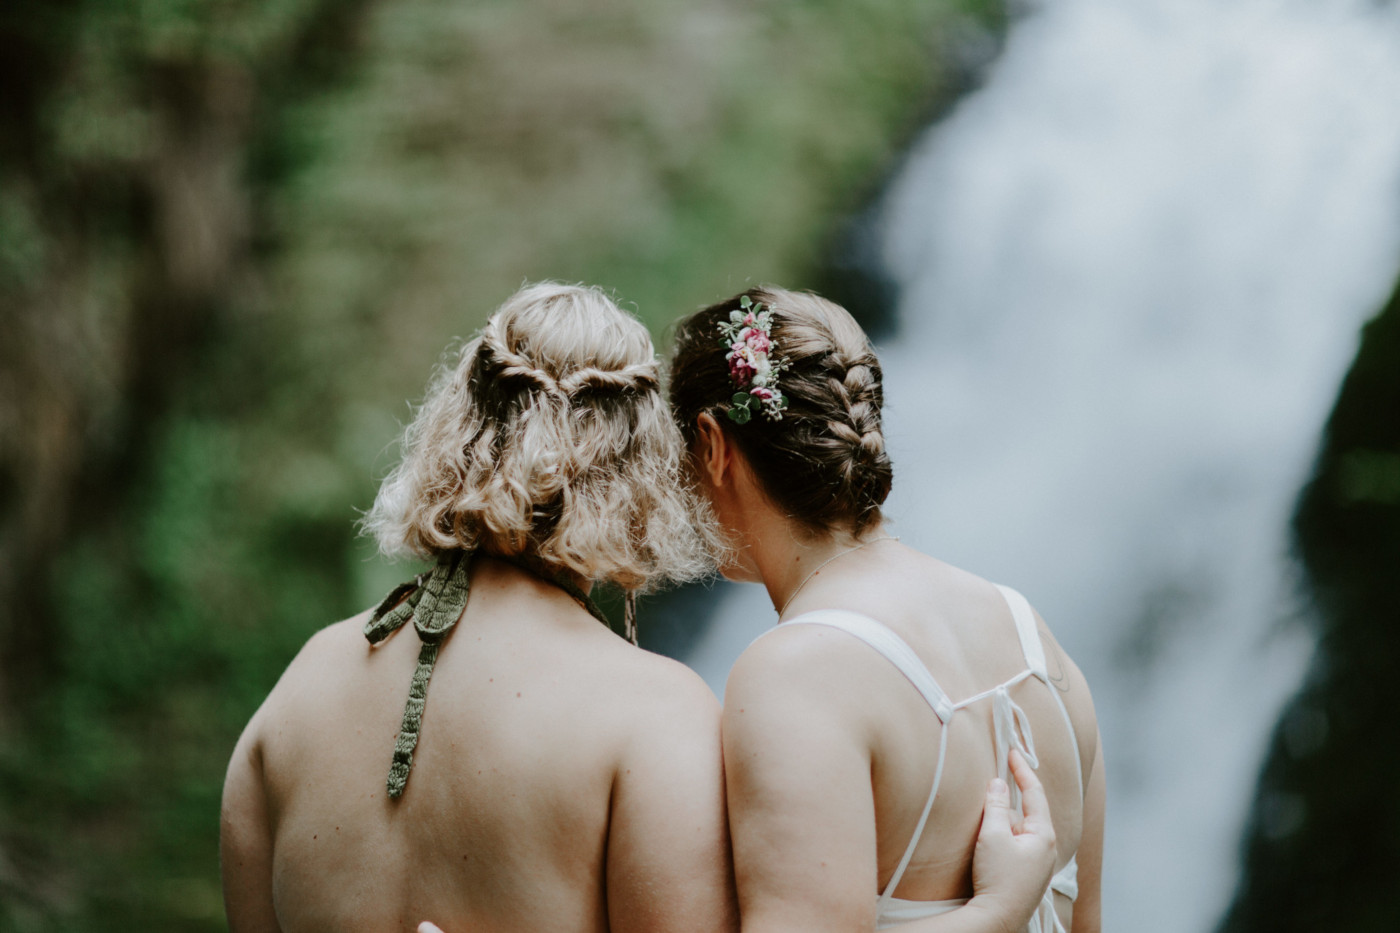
{"x": 791, "y": 558}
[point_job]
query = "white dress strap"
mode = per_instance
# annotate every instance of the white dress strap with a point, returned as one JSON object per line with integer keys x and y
{"x": 1011, "y": 728}
{"x": 1029, "y": 634}
{"x": 1066, "y": 880}
{"x": 1073, "y": 739}
{"x": 887, "y": 895}
{"x": 1034, "y": 651}
{"x": 895, "y": 650}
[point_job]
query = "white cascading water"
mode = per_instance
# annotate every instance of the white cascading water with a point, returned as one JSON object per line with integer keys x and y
{"x": 1132, "y": 270}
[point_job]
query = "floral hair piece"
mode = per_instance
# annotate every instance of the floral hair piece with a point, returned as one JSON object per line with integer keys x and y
{"x": 748, "y": 336}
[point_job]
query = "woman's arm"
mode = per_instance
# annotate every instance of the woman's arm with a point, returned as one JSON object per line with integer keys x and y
{"x": 1087, "y": 917}
{"x": 802, "y": 811}
{"x": 245, "y": 842}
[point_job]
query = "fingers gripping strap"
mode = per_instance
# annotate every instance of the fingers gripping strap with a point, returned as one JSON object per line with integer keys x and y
{"x": 895, "y": 650}
{"x": 1012, "y": 727}
{"x": 1027, "y": 631}
{"x": 1034, "y": 650}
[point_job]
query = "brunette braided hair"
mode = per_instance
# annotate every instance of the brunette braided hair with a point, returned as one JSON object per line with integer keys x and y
{"x": 824, "y": 463}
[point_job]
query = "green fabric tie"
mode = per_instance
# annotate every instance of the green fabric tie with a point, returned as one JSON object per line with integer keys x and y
{"x": 435, "y": 604}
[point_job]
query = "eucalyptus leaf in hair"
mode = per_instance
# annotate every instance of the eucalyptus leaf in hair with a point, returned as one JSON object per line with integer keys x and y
{"x": 751, "y": 355}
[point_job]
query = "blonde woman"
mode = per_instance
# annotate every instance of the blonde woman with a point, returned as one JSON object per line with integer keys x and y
{"x": 544, "y": 774}
{"x": 549, "y": 775}
{"x": 860, "y": 733}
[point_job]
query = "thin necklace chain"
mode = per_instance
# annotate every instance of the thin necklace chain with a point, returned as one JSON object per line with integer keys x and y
{"x": 807, "y": 579}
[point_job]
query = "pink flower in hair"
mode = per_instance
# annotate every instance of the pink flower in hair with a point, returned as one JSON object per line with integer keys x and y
{"x": 748, "y": 339}
{"x": 741, "y": 367}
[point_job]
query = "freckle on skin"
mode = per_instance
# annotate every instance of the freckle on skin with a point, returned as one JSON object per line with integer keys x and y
{"x": 517, "y": 694}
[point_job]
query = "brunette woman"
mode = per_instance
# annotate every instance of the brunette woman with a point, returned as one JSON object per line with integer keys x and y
{"x": 859, "y": 735}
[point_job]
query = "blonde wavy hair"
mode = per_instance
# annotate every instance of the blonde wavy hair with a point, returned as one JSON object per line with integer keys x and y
{"x": 549, "y": 438}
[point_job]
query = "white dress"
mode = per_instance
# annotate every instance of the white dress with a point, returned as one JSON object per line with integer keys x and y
{"x": 1012, "y": 728}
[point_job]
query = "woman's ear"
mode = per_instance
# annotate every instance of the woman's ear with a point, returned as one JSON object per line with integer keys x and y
{"x": 714, "y": 451}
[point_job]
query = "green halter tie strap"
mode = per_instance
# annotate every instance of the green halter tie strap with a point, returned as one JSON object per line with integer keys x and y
{"x": 435, "y": 604}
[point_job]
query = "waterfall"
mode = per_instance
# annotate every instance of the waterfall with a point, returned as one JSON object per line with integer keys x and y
{"x": 1132, "y": 267}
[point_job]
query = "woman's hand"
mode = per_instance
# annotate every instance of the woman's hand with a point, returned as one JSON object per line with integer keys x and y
{"x": 1014, "y": 858}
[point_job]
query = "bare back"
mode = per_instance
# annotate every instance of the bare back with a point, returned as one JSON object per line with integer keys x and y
{"x": 819, "y": 701}
{"x": 563, "y": 780}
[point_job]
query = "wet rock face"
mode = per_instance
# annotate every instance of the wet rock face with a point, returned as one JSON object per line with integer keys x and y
{"x": 1323, "y": 849}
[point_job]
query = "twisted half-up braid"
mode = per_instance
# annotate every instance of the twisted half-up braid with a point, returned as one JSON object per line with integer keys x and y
{"x": 507, "y": 369}
{"x": 548, "y": 438}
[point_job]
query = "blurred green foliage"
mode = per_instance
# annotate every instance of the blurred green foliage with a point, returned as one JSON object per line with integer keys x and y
{"x": 236, "y": 236}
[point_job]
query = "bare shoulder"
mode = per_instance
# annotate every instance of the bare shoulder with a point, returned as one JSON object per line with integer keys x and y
{"x": 659, "y": 715}
{"x": 328, "y": 647}
{"x": 800, "y": 668}
{"x": 979, "y": 598}
{"x": 788, "y": 652}
{"x": 1069, "y": 681}
{"x": 665, "y": 691}
{"x": 810, "y": 694}
{"x": 1064, "y": 674}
